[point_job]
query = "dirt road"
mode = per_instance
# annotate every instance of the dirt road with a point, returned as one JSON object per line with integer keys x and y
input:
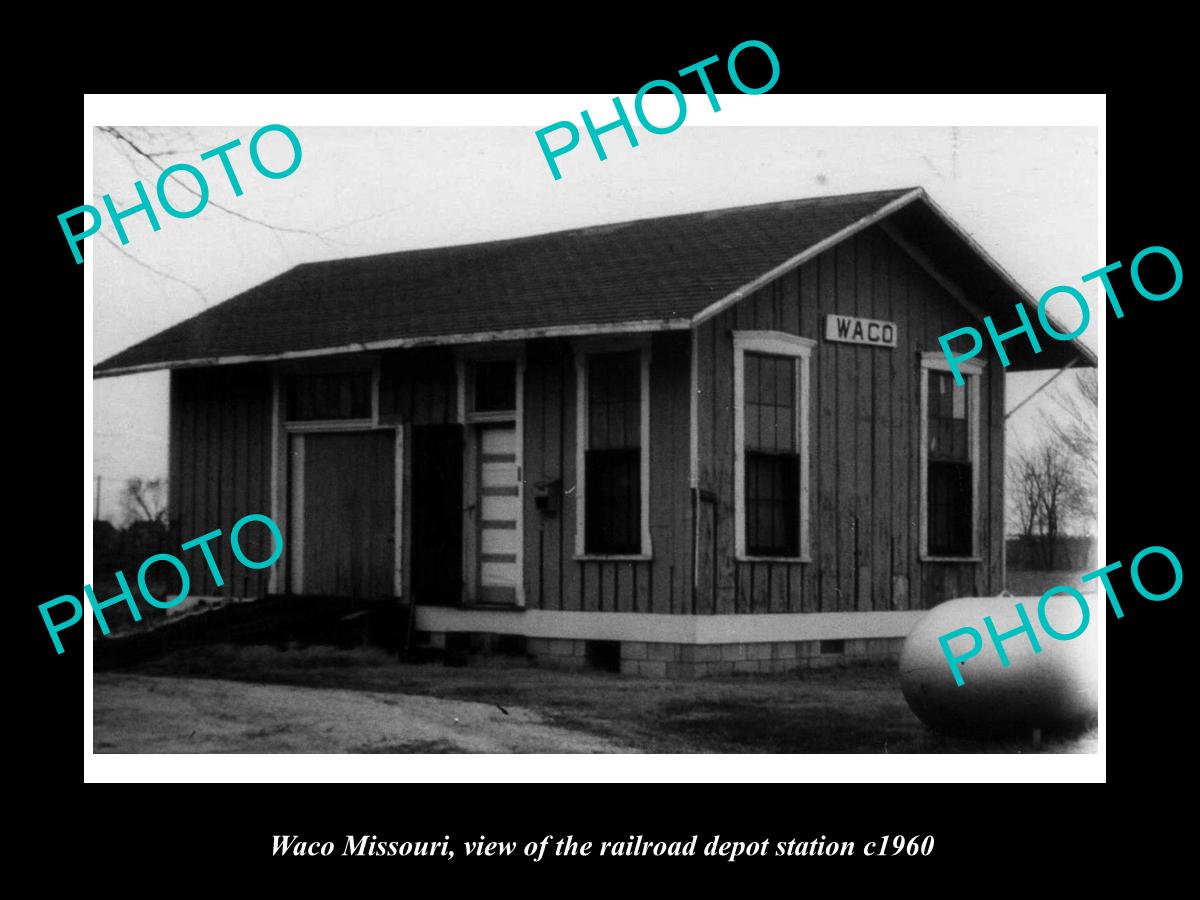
{"x": 146, "y": 714}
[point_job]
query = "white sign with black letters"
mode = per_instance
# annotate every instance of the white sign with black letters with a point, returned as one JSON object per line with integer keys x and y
{"x": 853, "y": 330}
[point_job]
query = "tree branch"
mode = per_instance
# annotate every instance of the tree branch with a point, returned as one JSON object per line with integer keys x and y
{"x": 116, "y": 135}
{"x": 150, "y": 268}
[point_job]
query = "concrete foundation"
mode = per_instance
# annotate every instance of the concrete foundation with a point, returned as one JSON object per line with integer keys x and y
{"x": 671, "y": 660}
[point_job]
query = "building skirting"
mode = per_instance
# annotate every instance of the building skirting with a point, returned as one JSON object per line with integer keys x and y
{"x": 670, "y": 646}
{"x": 656, "y": 628}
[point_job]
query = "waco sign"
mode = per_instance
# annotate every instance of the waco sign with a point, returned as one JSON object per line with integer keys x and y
{"x": 853, "y": 330}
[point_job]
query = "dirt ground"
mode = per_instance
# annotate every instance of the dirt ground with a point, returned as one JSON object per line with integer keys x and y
{"x": 146, "y": 714}
{"x": 226, "y": 699}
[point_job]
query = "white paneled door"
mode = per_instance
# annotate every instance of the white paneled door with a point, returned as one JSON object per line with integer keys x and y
{"x": 499, "y": 506}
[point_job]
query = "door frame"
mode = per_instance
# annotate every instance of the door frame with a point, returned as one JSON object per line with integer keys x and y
{"x": 285, "y": 490}
{"x": 471, "y": 422}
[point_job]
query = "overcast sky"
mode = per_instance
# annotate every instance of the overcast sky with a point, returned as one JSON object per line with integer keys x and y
{"x": 1026, "y": 194}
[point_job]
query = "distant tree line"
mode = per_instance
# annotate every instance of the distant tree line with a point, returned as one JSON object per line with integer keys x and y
{"x": 1052, "y": 482}
{"x": 144, "y": 530}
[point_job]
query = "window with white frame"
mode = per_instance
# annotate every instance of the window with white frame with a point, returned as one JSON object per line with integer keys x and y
{"x": 949, "y": 458}
{"x": 771, "y": 438}
{"x": 613, "y": 451}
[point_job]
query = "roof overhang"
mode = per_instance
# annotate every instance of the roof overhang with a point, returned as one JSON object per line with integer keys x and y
{"x": 441, "y": 340}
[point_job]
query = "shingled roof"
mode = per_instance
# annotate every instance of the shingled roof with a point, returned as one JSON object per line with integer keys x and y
{"x": 650, "y": 274}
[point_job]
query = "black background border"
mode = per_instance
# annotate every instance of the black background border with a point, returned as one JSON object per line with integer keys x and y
{"x": 988, "y": 827}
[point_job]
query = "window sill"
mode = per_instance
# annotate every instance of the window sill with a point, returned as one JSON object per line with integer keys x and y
{"x": 952, "y": 559}
{"x": 741, "y": 557}
{"x": 613, "y": 557}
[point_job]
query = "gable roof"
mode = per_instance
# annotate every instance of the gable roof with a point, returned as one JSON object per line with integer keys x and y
{"x": 646, "y": 275}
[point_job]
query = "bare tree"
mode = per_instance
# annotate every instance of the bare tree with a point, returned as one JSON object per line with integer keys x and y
{"x": 1074, "y": 422}
{"x": 145, "y": 500}
{"x": 1048, "y": 492}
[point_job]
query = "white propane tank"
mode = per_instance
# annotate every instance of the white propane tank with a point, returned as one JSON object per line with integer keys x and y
{"x": 1053, "y": 690}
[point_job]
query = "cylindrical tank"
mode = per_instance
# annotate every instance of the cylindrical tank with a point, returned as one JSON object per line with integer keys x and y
{"x": 1054, "y": 690}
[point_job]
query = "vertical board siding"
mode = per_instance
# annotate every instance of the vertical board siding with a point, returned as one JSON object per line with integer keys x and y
{"x": 418, "y": 387}
{"x": 845, "y": 299}
{"x": 536, "y": 467}
{"x": 722, "y": 404}
{"x": 554, "y": 578}
{"x": 705, "y": 562}
{"x": 993, "y": 438}
{"x": 864, "y": 433}
{"x": 665, "y": 590}
{"x": 176, "y": 496}
{"x": 572, "y": 573}
{"x": 220, "y": 472}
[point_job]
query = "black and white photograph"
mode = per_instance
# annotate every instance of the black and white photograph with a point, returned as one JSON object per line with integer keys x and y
{"x": 662, "y": 456}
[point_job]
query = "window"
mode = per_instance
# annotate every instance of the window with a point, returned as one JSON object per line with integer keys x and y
{"x": 771, "y": 452}
{"x": 949, "y": 455}
{"x": 772, "y": 470}
{"x": 328, "y": 396}
{"x": 612, "y": 515}
{"x": 495, "y": 386}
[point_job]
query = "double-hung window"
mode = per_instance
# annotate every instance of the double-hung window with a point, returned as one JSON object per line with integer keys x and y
{"x": 771, "y": 388}
{"x": 949, "y": 458}
{"x": 613, "y": 433}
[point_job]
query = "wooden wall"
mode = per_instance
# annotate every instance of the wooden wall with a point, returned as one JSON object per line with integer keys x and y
{"x": 553, "y": 578}
{"x": 864, "y": 450}
{"x": 418, "y": 387}
{"x": 864, "y": 478}
{"x": 220, "y": 470}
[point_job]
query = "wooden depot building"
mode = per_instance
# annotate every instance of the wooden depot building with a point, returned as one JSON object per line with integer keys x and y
{"x": 715, "y": 442}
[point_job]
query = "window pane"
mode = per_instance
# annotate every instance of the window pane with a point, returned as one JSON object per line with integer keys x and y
{"x": 769, "y": 402}
{"x": 958, "y": 441}
{"x": 947, "y": 426}
{"x": 616, "y": 425}
{"x": 614, "y": 400}
{"x": 613, "y": 501}
{"x": 633, "y": 421}
{"x": 785, "y": 381}
{"x": 761, "y": 520}
{"x": 958, "y": 408}
{"x": 785, "y": 430}
{"x": 939, "y": 387}
{"x": 752, "y": 366}
{"x": 949, "y": 509}
{"x": 342, "y": 395}
{"x": 772, "y": 504}
{"x": 946, "y": 400}
{"x": 753, "y": 412}
{"x": 598, "y": 425}
{"x": 766, "y": 386}
{"x": 495, "y": 386}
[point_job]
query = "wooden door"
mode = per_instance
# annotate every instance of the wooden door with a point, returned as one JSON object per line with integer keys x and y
{"x": 437, "y": 514}
{"x": 343, "y": 512}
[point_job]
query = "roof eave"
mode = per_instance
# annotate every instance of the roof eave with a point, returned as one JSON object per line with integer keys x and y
{"x": 445, "y": 340}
